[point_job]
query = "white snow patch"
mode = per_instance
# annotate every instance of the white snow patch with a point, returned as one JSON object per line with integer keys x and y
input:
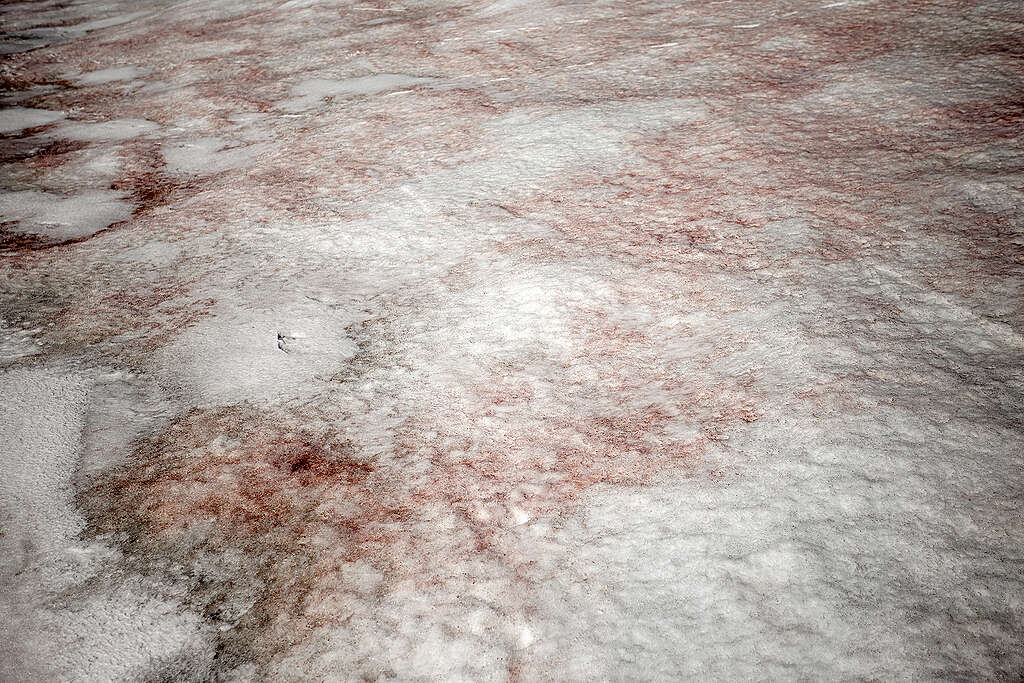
{"x": 40, "y": 421}
{"x": 308, "y": 93}
{"x": 208, "y": 155}
{"x": 112, "y": 75}
{"x": 63, "y": 218}
{"x": 116, "y": 20}
{"x": 112, "y": 633}
{"x": 105, "y": 131}
{"x": 239, "y": 354}
{"x": 20, "y": 118}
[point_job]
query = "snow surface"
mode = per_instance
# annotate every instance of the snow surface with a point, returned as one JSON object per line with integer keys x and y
{"x": 516, "y": 340}
{"x": 112, "y": 74}
{"x": 202, "y": 156}
{"x": 116, "y": 632}
{"x": 308, "y": 93}
{"x": 64, "y": 218}
{"x": 13, "y": 119}
{"x": 104, "y": 131}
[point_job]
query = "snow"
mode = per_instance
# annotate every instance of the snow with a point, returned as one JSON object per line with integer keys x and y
{"x": 13, "y": 119}
{"x": 511, "y": 341}
{"x": 112, "y": 74}
{"x": 117, "y": 20}
{"x": 39, "y": 438}
{"x": 104, "y": 131}
{"x": 308, "y": 93}
{"x": 64, "y": 218}
{"x": 112, "y": 633}
{"x": 208, "y": 155}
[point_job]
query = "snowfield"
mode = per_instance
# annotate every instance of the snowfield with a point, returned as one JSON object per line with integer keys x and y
{"x": 528, "y": 340}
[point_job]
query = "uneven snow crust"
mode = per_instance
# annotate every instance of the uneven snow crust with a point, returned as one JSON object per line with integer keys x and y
{"x": 516, "y": 340}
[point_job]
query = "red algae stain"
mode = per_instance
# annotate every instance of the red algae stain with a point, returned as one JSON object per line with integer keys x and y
{"x": 16, "y": 242}
{"x": 145, "y": 180}
{"x": 298, "y": 499}
{"x": 986, "y": 120}
{"x": 547, "y": 472}
{"x": 152, "y": 315}
{"x": 48, "y": 156}
{"x": 245, "y": 471}
{"x": 148, "y": 189}
{"x": 292, "y": 500}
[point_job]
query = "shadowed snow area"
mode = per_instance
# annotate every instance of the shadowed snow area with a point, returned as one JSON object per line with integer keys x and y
{"x": 523, "y": 340}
